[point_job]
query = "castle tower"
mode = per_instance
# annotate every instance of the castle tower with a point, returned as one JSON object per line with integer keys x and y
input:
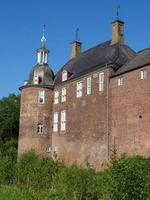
{"x": 36, "y": 106}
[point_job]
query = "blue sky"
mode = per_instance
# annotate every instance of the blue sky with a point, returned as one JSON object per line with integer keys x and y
{"x": 21, "y": 24}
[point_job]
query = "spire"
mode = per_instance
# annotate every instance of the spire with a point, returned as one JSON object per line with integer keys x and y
{"x": 43, "y": 39}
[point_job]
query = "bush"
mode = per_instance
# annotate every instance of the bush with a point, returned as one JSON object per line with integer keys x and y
{"x": 78, "y": 184}
{"x": 38, "y": 178}
{"x": 130, "y": 179}
{"x": 35, "y": 172}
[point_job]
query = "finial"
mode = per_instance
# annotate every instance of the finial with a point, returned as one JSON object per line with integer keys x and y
{"x": 43, "y": 39}
{"x": 77, "y": 34}
{"x": 118, "y": 9}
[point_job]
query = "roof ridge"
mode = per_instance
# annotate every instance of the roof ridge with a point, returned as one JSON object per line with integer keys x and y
{"x": 143, "y": 50}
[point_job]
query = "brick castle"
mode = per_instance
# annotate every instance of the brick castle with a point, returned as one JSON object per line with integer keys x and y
{"x": 98, "y": 101}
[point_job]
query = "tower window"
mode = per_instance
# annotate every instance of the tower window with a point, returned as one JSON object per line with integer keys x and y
{"x": 55, "y": 122}
{"x": 40, "y": 128}
{"x": 35, "y": 79}
{"x": 56, "y": 97}
{"x": 79, "y": 89}
{"x": 63, "y": 94}
{"x": 63, "y": 121}
{"x": 120, "y": 81}
{"x": 143, "y": 74}
{"x": 101, "y": 81}
{"x": 38, "y": 77}
{"x": 42, "y": 97}
{"x": 64, "y": 75}
{"x": 88, "y": 85}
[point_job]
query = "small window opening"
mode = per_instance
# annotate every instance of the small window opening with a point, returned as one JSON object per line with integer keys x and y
{"x": 39, "y": 79}
{"x": 40, "y": 128}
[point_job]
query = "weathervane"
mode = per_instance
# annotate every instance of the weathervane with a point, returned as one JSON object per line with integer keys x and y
{"x": 77, "y": 34}
{"x": 43, "y": 39}
{"x": 118, "y": 9}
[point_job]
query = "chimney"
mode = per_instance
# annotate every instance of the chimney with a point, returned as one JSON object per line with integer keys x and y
{"x": 76, "y": 49}
{"x": 117, "y": 32}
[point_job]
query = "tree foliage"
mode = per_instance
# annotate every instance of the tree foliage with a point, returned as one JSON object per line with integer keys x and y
{"x": 9, "y": 117}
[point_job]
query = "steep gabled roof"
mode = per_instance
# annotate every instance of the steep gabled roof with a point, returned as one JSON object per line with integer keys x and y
{"x": 95, "y": 58}
{"x": 141, "y": 59}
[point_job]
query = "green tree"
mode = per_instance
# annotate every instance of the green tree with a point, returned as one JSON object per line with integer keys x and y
{"x": 8, "y": 158}
{"x": 9, "y": 117}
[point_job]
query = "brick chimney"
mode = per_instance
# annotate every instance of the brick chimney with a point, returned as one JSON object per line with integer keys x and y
{"x": 76, "y": 49}
{"x": 117, "y": 32}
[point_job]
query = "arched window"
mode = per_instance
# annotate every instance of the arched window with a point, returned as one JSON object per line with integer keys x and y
{"x": 64, "y": 75}
{"x": 40, "y": 128}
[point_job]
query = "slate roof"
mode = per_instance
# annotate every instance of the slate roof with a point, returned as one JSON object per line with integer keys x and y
{"x": 48, "y": 78}
{"x": 141, "y": 59}
{"x": 95, "y": 58}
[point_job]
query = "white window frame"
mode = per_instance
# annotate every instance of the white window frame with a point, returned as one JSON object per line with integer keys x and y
{"x": 56, "y": 97}
{"x": 101, "y": 81}
{"x": 63, "y": 121}
{"x": 41, "y": 97}
{"x": 40, "y": 128}
{"x": 64, "y": 75}
{"x": 88, "y": 85}
{"x": 143, "y": 74}
{"x": 55, "y": 121}
{"x": 120, "y": 81}
{"x": 37, "y": 76}
{"x": 79, "y": 89}
{"x": 35, "y": 79}
{"x": 63, "y": 94}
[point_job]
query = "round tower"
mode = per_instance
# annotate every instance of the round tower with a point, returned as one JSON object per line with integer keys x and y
{"x": 36, "y": 106}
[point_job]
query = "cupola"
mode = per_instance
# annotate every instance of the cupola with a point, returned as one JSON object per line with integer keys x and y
{"x": 42, "y": 53}
{"x": 41, "y": 74}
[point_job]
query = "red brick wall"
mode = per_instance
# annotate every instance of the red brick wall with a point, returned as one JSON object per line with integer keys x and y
{"x": 131, "y": 114}
{"x": 31, "y": 113}
{"x": 86, "y": 136}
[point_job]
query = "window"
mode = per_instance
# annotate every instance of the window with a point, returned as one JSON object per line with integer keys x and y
{"x": 79, "y": 89}
{"x": 120, "y": 81}
{"x": 40, "y": 128}
{"x": 63, "y": 121}
{"x": 56, "y": 97}
{"x": 143, "y": 74}
{"x": 41, "y": 97}
{"x": 88, "y": 86}
{"x": 63, "y": 94}
{"x": 101, "y": 81}
{"x": 55, "y": 122}
{"x": 35, "y": 79}
{"x": 64, "y": 75}
{"x": 38, "y": 77}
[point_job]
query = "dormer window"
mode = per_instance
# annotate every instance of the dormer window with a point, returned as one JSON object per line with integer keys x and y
{"x": 64, "y": 75}
{"x": 38, "y": 77}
